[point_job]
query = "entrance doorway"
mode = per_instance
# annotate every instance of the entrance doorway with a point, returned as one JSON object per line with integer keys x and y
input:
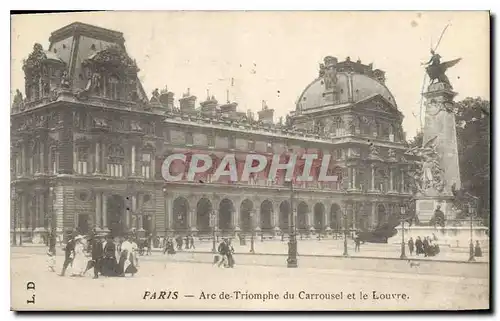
{"x": 83, "y": 224}
{"x": 116, "y": 215}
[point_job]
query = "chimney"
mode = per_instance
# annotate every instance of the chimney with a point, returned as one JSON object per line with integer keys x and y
{"x": 266, "y": 115}
{"x": 379, "y": 75}
{"x": 187, "y": 103}
{"x": 209, "y": 106}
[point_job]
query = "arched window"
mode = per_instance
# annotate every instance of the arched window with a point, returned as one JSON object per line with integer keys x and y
{"x": 338, "y": 127}
{"x": 82, "y": 160}
{"x": 114, "y": 88}
{"x": 53, "y": 159}
{"x": 147, "y": 163}
{"x": 116, "y": 158}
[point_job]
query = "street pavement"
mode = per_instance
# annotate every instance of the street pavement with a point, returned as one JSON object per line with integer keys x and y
{"x": 201, "y": 280}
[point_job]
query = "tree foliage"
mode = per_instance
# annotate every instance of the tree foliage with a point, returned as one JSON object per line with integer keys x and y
{"x": 473, "y": 138}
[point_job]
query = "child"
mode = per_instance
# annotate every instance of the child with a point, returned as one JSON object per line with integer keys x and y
{"x": 51, "y": 260}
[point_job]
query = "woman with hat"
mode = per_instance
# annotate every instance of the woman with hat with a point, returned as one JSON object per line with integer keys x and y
{"x": 80, "y": 260}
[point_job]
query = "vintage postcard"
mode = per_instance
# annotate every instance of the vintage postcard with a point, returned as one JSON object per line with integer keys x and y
{"x": 250, "y": 161}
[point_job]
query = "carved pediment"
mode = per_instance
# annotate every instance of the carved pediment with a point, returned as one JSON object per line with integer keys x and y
{"x": 377, "y": 103}
{"x": 113, "y": 59}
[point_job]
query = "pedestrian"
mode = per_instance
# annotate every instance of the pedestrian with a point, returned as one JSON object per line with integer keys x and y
{"x": 411, "y": 245}
{"x": 419, "y": 246}
{"x": 223, "y": 250}
{"x": 230, "y": 254}
{"x": 97, "y": 251}
{"x": 477, "y": 250}
{"x": 191, "y": 241}
{"x": 357, "y": 242}
{"x": 69, "y": 254}
{"x": 426, "y": 244}
{"x": 149, "y": 245}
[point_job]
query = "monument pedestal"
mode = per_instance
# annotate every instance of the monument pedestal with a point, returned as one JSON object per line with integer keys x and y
{"x": 426, "y": 205}
{"x": 457, "y": 235}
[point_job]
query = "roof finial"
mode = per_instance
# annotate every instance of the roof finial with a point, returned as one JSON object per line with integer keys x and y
{"x": 227, "y": 95}
{"x": 208, "y": 94}
{"x": 189, "y": 91}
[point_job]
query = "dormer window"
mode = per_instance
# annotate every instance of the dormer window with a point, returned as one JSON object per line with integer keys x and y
{"x": 92, "y": 47}
{"x": 114, "y": 88}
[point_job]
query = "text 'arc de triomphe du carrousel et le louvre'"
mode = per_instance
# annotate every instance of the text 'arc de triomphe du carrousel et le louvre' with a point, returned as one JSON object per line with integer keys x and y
{"x": 88, "y": 145}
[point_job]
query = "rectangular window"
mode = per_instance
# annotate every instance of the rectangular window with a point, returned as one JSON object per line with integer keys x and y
{"x": 189, "y": 138}
{"x": 83, "y": 158}
{"x": 269, "y": 147}
{"x": 211, "y": 140}
{"x": 146, "y": 165}
{"x": 53, "y": 160}
{"x": 231, "y": 142}
{"x": 251, "y": 145}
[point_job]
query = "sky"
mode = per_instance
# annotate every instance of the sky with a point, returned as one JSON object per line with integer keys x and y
{"x": 273, "y": 56}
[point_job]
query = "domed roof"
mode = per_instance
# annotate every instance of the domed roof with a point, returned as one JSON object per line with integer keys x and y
{"x": 354, "y": 82}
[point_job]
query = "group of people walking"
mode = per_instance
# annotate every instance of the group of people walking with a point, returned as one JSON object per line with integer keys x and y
{"x": 226, "y": 254}
{"x": 427, "y": 247}
{"x": 106, "y": 255}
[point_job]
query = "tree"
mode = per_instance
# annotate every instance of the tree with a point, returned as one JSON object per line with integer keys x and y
{"x": 473, "y": 137}
{"x": 416, "y": 141}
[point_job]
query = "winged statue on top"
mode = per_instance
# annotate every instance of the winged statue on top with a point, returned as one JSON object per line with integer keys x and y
{"x": 436, "y": 70}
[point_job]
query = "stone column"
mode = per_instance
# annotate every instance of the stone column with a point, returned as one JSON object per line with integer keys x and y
{"x": 349, "y": 173}
{"x": 236, "y": 218}
{"x": 374, "y": 214}
{"x": 133, "y": 170}
{"x": 75, "y": 160}
{"x": 104, "y": 211}
{"x": 42, "y": 154}
{"x": 391, "y": 179}
{"x": 169, "y": 212}
{"x": 373, "y": 178}
{"x": 104, "y": 154}
{"x": 257, "y": 220}
{"x": 98, "y": 207}
{"x": 41, "y": 218}
{"x": 23, "y": 159}
{"x": 354, "y": 185}
{"x": 97, "y": 168}
{"x": 402, "y": 180}
{"x": 193, "y": 221}
{"x": 355, "y": 208}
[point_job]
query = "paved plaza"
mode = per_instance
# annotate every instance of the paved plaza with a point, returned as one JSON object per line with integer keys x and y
{"x": 161, "y": 273}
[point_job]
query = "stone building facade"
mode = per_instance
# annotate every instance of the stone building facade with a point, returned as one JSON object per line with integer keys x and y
{"x": 87, "y": 146}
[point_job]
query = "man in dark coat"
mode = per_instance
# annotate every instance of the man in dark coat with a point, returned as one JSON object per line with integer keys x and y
{"x": 419, "y": 245}
{"x": 97, "y": 251}
{"x": 69, "y": 254}
{"x": 425, "y": 243}
{"x": 411, "y": 245}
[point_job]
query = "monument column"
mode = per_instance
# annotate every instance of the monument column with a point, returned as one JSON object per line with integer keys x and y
{"x": 440, "y": 138}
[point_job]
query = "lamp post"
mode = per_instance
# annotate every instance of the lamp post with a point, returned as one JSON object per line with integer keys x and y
{"x": 344, "y": 216}
{"x": 292, "y": 243}
{"x": 14, "y": 207}
{"x": 52, "y": 221}
{"x": 471, "y": 245}
{"x": 403, "y": 247}
{"x": 167, "y": 223}
{"x": 212, "y": 222}
{"x": 252, "y": 226}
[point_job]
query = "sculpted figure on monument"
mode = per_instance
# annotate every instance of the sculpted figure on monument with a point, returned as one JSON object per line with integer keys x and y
{"x": 436, "y": 70}
{"x": 65, "y": 79}
{"x": 374, "y": 154}
{"x": 429, "y": 171}
{"x": 18, "y": 99}
{"x": 329, "y": 73}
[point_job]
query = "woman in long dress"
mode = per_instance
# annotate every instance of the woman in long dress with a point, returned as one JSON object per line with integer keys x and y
{"x": 80, "y": 260}
{"x": 109, "y": 266}
{"x": 127, "y": 260}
